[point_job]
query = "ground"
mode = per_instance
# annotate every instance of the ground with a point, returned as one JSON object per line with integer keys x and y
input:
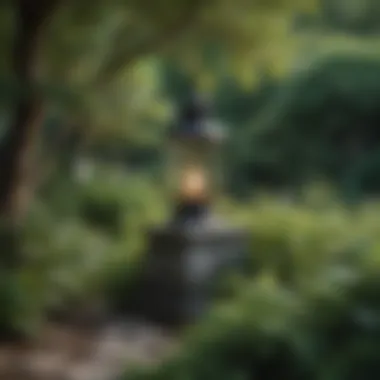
{"x": 67, "y": 353}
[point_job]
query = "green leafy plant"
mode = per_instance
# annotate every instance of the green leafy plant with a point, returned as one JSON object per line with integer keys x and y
{"x": 320, "y": 322}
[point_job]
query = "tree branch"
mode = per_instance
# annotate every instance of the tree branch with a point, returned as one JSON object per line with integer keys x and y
{"x": 125, "y": 57}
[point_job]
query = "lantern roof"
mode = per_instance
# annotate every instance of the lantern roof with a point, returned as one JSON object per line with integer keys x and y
{"x": 195, "y": 121}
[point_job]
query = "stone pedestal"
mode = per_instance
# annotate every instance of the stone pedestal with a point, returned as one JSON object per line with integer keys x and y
{"x": 183, "y": 267}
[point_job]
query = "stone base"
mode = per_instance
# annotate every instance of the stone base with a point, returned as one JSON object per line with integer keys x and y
{"x": 182, "y": 268}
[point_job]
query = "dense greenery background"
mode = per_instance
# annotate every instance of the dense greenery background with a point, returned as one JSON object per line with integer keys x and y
{"x": 301, "y": 174}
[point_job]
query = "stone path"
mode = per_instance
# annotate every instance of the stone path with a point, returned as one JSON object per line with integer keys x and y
{"x": 67, "y": 354}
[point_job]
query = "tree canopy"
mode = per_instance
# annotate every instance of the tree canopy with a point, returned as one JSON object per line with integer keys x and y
{"x": 322, "y": 124}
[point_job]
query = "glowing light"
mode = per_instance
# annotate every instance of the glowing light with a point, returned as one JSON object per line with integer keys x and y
{"x": 193, "y": 183}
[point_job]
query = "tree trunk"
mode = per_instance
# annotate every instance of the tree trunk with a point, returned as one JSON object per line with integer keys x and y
{"x": 19, "y": 143}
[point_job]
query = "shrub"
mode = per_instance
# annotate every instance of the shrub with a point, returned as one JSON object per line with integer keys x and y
{"x": 110, "y": 201}
{"x": 311, "y": 312}
{"x": 68, "y": 259}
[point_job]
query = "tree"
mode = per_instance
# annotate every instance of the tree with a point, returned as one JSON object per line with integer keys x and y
{"x": 17, "y": 144}
{"x": 91, "y": 45}
{"x": 322, "y": 122}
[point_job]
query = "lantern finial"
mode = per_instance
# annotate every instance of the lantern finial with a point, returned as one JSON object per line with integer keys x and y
{"x": 195, "y": 121}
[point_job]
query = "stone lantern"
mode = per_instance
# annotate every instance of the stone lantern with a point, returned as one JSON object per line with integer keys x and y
{"x": 187, "y": 256}
{"x": 194, "y": 175}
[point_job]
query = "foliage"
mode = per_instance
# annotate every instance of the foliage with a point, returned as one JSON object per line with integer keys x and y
{"x": 112, "y": 70}
{"x": 351, "y": 17}
{"x": 319, "y": 322}
{"x": 98, "y": 50}
{"x": 69, "y": 262}
{"x": 321, "y": 123}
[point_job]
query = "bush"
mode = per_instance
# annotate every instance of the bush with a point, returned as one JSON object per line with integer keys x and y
{"x": 311, "y": 312}
{"x": 111, "y": 200}
{"x": 61, "y": 260}
{"x": 69, "y": 260}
